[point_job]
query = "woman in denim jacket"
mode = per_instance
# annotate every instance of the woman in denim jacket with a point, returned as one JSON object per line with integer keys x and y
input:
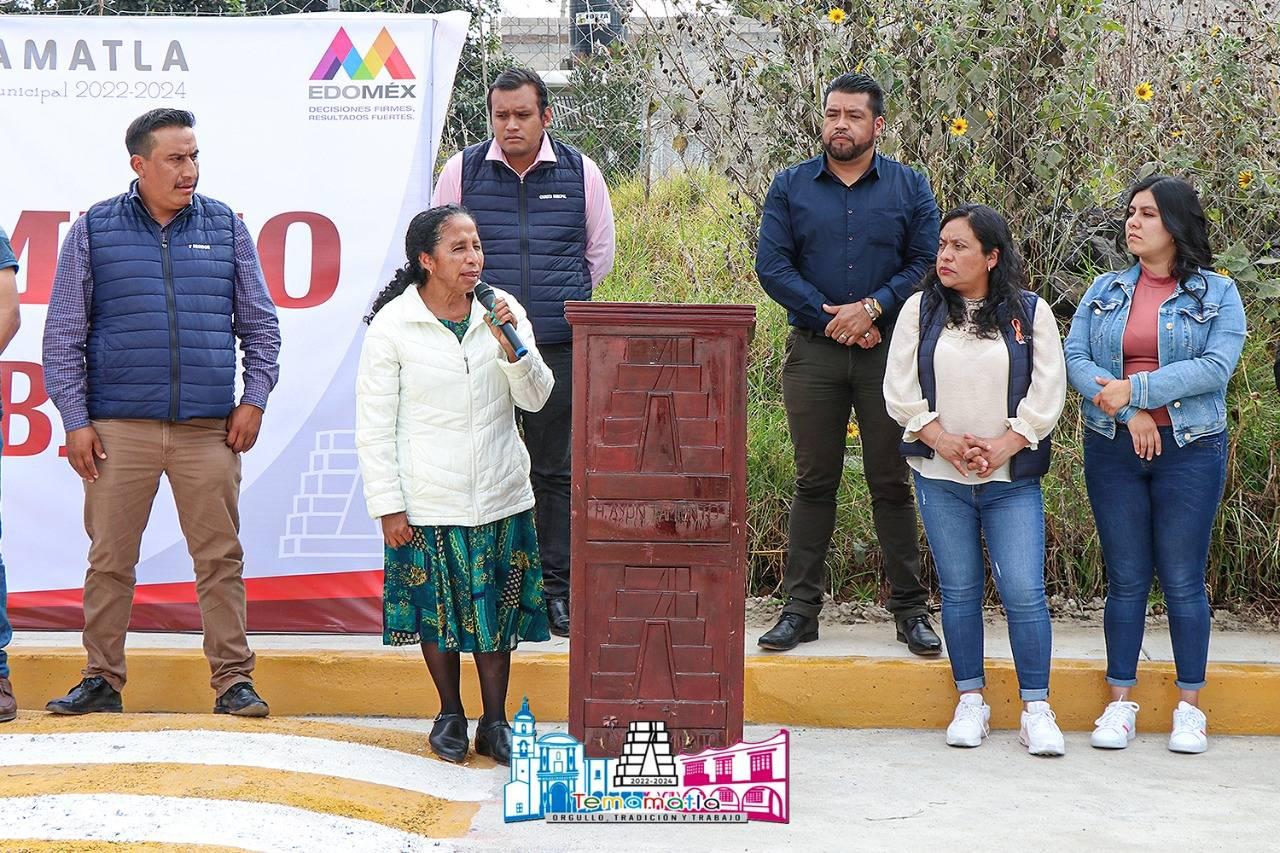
{"x": 1151, "y": 350}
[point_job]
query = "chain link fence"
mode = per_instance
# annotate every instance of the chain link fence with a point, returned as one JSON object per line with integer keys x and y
{"x": 1046, "y": 111}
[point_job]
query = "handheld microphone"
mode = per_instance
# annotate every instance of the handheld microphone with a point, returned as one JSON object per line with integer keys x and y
{"x": 487, "y": 298}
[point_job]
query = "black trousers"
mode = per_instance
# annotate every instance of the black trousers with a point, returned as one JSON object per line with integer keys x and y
{"x": 548, "y": 435}
{"x": 822, "y": 381}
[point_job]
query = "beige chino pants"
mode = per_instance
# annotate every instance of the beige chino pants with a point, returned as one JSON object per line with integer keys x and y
{"x": 204, "y": 474}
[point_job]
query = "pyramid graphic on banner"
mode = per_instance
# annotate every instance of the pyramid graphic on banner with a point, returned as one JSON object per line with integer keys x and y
{"x": 322, "y": 523}
{"x": 646, "y": 756}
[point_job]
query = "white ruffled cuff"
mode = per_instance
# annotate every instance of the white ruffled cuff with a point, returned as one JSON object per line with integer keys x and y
{"x": 916, "y": 424}
{"x": 1024, "y": 429}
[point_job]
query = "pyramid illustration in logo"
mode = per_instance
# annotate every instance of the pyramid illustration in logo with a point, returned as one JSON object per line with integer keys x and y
{"x": 646, "y": 756}
{"x": 343, "y": 54}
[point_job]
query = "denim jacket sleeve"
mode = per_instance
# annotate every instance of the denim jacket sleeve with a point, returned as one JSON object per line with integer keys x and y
{"x": 1082, "y": 370}
{"x": 776, "y": 260}
{"x": 1210, "y": 371}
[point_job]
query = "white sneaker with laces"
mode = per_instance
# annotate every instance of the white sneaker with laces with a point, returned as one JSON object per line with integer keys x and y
{"x": 1189, "y": 726}
{"x": 1040, "y": 733}
{"x": 971, "y": 723}
{"x": 1117, "y": 726}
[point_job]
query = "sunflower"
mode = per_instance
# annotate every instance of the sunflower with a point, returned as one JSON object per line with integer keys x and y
{"x": 959, "y": 126}
{"x": 852, "y": 432}
{"x": 1143, "y": 91}
{"x": 836, "y": 15}
{"x": 1245, "y": 178}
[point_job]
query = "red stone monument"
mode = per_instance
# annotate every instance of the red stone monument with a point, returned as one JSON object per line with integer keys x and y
{"x": 659, "y": 538}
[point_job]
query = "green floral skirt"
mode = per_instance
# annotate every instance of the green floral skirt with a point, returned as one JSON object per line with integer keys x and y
{"x": 466, "y": 589}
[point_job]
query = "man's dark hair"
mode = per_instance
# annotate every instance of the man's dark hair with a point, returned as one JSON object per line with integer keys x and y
{"x": 514, "y": 78}
{"x": 851, "y": 83}
{"x": 138, "y": 138}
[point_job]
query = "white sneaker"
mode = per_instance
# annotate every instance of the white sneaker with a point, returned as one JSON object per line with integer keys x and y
{"x": 972, "y": 721}
{"x": 1117, "y": 726}
{"x": 1040, "y": 733}
{"x": 1189, "y": 726}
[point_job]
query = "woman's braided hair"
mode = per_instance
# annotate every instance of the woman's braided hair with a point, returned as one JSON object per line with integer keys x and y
{"x": 422, "y": 236}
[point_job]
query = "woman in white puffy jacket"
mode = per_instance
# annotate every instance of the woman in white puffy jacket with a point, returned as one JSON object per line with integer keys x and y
{"x": 446, "y": 473}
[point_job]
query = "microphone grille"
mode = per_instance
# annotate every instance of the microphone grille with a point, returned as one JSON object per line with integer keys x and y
{"x": 485, "y": 294}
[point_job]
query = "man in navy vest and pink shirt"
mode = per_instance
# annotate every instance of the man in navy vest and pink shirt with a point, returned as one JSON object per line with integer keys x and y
{"x": 546, "y": 225}
{"x": 153, "y": 289}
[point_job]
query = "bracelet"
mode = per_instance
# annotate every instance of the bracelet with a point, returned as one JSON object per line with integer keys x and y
{"x": 871, "y": 312}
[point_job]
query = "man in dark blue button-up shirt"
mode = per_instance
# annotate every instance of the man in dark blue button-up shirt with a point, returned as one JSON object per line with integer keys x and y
{"x": 844, "y": 240}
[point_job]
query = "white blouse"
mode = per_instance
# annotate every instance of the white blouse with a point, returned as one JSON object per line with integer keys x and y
{"x": 972, "y": 379}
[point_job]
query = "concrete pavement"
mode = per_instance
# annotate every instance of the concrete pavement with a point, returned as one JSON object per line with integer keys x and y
{"x": 902, "y": 789}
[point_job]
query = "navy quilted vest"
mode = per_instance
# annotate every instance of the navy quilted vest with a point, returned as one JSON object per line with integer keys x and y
{"x": 534, "y": 232}
{"x": 160, "y": 342}
{"x": 1025, "y": 463}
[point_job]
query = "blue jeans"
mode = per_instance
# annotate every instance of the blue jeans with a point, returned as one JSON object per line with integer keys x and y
{"x": 1010, "y": 517}
{"x": 1155, "y": 519}
{"x": 6, "y": 630}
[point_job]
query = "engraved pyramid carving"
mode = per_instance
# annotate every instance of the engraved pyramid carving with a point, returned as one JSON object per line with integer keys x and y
{"x": 659, "y": 418}
{"x": 656, "y": 648}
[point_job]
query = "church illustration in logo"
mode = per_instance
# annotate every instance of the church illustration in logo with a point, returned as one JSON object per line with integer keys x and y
{"x": 552, "y": 775}
{"x": 547, "y": 771}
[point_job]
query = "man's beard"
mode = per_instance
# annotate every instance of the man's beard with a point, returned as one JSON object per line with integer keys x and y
{"x": 856, "y": 151}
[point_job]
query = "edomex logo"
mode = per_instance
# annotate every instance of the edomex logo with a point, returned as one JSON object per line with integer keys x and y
{"x": 342, "y": 54}
{"x": 383, "y": 56}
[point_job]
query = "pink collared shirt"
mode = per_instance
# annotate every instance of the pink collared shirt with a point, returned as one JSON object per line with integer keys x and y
{"x": 600, "y": 237}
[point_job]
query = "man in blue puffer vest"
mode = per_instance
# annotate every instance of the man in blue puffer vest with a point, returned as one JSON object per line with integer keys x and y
{"x": 152, "y": 290}
{"x": 546, "y": 226}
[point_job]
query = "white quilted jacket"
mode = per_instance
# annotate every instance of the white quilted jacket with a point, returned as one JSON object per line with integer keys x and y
{"x": 435, "y": 420}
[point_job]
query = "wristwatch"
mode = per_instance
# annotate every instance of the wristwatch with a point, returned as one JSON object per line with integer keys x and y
{"x": 873, "y": 307}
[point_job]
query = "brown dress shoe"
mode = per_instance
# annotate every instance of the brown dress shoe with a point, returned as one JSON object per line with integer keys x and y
{"x": 8, "y": 705}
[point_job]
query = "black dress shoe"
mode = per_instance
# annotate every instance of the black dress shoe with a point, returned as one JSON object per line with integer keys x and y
{"x": 449, "y": 737}
{"x": 91, "y": 695}
{"x": 918, "y": 634}
{"x": 494, "y": 740}
{"x": 558, "y": 616}
{"x": 792, "y": 630}
{"x": 241, "y": 700}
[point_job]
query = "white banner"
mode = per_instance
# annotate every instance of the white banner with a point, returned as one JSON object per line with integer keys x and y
{"x": 322, "y": 131}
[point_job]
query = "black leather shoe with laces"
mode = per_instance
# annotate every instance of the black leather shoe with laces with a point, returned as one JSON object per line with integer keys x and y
{"x": 91, "y": 695}
{"x": 792, "y": 630}
{"x": 918, "y": 634}
{"x": 241, "y": 700}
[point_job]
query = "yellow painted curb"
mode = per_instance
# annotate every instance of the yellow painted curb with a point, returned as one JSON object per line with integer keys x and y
{"x": 862, "y": 692}
{"x": 840, "y": 692}
{"x": 408, "y": 811}
{"x": 293, "y": 682}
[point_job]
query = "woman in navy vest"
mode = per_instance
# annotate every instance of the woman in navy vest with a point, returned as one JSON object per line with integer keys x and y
{"x": 977, "y": 381}
{"x": 1151, "y": 350}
